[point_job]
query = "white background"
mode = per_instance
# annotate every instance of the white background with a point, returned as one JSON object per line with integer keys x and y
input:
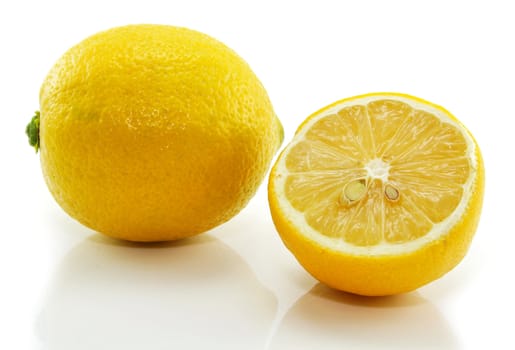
{"x": 64, "y": 287}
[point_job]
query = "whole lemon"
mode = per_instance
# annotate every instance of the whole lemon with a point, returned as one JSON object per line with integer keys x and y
{"x": 153, "y": 132}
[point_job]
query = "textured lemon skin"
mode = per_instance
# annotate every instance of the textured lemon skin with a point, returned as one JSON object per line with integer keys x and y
{"x": 381, "y": 274}
{"x": 154, "y": 132}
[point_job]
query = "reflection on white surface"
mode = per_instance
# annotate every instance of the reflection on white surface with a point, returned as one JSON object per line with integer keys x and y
{"x": 193, "y": 294}
{"x": 327, "y": 319}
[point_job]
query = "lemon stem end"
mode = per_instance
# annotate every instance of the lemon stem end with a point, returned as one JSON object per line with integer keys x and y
{"x": 32, "y": 131}
{"x": 281, "y": 133}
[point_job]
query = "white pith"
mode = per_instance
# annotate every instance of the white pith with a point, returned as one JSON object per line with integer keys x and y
{"x": 379, "y": 170}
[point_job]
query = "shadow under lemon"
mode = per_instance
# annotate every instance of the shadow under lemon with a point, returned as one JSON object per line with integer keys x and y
{"x": 328, "y": 319}
{"x": 193, "y": 294}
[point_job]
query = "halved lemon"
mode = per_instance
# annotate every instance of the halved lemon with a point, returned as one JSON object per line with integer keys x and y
{"x": 378, "y": 194}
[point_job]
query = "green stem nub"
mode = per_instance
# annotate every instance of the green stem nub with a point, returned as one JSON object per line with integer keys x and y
{"x": 32, "y": 131}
